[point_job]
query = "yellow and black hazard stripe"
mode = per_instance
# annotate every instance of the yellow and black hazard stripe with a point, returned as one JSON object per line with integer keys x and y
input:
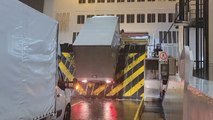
{"x": 129, "y": 78}
{"x": 130, "y": 83}
{"x": 100, "y": 89}
{"x": 67, "y": 67}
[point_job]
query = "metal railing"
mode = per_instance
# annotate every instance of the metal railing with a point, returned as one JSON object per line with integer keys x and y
{"x": 199, "y": 71}
{"x": 139, "y": 112}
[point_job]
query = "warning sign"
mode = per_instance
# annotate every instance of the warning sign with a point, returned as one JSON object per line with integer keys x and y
{"x": 163, "y": 56}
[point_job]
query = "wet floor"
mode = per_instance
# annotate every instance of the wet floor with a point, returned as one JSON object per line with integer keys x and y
{"x": 103, "y": 109}
{"x": 152, "y": 111}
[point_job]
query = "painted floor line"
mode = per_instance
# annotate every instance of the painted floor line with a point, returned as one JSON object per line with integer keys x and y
{"x": 76, "y": 103}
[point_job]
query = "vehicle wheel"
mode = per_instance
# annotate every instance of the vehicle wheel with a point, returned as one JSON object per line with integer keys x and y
{"x": 67, "y": 113}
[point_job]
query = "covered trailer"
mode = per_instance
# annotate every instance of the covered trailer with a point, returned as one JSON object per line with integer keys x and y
{"x": 96, "y": 49}
{"x": 28, "y": 64}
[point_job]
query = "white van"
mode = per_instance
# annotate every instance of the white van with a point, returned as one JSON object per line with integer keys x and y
{"x": 29, "y": 87}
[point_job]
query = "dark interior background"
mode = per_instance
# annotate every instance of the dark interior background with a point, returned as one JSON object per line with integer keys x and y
{"x": 36, "y": 4}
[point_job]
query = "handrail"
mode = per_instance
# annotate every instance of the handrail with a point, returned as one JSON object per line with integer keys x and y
{"x": 139, "y": 110}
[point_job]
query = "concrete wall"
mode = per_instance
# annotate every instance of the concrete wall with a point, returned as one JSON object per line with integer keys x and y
{"x": 190, "y": 99}
{"x": 52, "y": 7}
{"x": 210, "y": 40}
{"x": 189, "y": 104}
{"x": 199, "y": 106}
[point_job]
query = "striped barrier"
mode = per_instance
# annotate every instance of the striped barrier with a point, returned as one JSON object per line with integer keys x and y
{"x": 129, "y": 80}
{"x": 67, "y": 67}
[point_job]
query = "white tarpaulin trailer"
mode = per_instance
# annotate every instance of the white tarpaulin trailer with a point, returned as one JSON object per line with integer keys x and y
{"x": 28, "y": 62}
{"x": 96, "y": 49}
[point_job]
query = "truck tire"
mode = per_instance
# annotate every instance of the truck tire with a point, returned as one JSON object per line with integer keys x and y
{"x": 67, "y": 112}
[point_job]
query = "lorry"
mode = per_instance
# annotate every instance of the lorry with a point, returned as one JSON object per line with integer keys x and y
{"x": 32, "y": 86}
{"x": 96, "y": 50}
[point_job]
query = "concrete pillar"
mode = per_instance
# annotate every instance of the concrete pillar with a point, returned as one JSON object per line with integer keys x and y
{"x": 210, "y": 40}
{"x": 181, "y": 37}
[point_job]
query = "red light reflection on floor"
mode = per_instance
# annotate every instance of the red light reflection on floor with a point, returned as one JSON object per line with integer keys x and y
{"x": 110, "y": 112}
{"x": 81, "y": 111}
